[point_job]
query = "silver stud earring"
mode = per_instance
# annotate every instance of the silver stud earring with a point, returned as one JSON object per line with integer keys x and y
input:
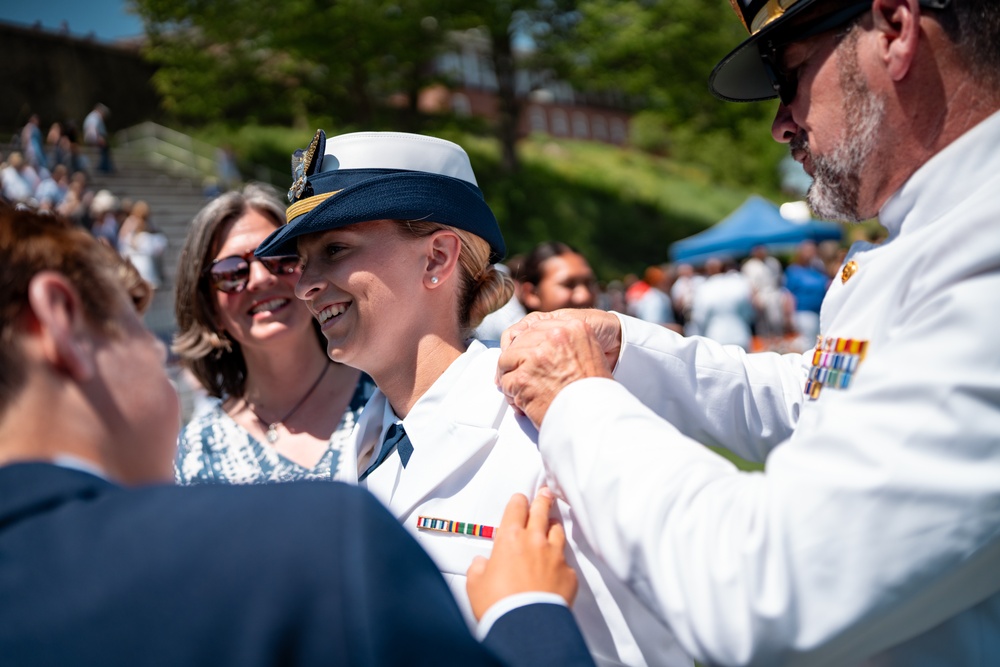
{"x": 434, "y": 280}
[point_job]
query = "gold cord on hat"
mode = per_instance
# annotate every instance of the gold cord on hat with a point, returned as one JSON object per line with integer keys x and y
{"x": 303, "y": 206}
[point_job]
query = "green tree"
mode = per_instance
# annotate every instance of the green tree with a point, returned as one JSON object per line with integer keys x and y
{"x": 660, "y": 52}
{"x": 233, "y": 59}
{"x": 503, "y": 21}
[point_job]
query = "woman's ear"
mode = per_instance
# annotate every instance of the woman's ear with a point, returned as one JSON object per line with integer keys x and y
{"x": 443, "y": 250}
{"x": 63, "y": 332}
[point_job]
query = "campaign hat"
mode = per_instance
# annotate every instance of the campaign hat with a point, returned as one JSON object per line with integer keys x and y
{"x": 364, "y": 176}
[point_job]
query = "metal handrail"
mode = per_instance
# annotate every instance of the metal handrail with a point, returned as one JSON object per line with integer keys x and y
{"x": 183, "y": 155}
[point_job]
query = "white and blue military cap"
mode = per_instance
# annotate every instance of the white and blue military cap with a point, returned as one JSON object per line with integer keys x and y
{"x": 366, "y": 176}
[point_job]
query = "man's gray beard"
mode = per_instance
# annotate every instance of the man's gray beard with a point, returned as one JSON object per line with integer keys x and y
{"x": 834, "y": 193}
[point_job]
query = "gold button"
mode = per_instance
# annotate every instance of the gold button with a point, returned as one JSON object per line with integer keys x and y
{"x": 849, "y": 270}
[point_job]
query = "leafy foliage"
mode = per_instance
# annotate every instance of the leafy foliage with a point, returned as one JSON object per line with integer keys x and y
{"x": 661, "y": 53}
{"x": 281, "y": 61}
{"x": 502, "y": 21}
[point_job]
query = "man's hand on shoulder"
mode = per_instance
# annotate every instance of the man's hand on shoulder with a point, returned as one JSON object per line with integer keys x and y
{"x": 605, "y": 326}
{"x": 543, "y": 355}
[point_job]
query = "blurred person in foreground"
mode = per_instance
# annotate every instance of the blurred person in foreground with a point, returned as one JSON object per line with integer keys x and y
{"x": 96, "y": 572}
{"x": 279, "y": 408}
{"x": 873, "y": 535}
{"x": 399, "y": 250}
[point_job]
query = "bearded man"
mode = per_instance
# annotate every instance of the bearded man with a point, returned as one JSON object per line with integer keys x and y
{"x": 873, "y": 535}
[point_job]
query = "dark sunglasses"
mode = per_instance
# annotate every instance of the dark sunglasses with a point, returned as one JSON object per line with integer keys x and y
{"x": 785, "y": 83}
{"x": 231, "y": 274}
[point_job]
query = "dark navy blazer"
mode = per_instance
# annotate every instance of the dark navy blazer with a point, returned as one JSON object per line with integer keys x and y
{"x": 311, "y": 573}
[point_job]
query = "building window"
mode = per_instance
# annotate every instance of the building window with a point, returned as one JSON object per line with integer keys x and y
{"x": 618, "y": 132}
{"x": 460, "y": 105}
{"x": 560, "y": 123}
{"x": 537, "y": 121}
{"x": 600, "y": 128}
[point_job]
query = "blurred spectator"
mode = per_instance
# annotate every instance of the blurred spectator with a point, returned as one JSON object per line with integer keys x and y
{"x": 764, "y": 274}
{"x": 634, "y": 289}
{"x": 124, "y": 211}
{"x": 19, "y": 180}
{"x": 722, "y": 307}
{"x": 807, "y": 285}
{"x": 76, "y": 203}
{"x": 555, "y": 276}
{"x": 59, "y": 150}
{"x": 654, "y": 304}
{"x": 51, "y": 192}
{"x": 142, "y": 246}
{"x": 31, "y": 143}
{"x": 682, "y": 293}
{"x": 229, "y": 173}
{"x": 210, "y": 188}
{"x": 613, "y": 297}
{"x": 95, "y": 133}
{"x": 54, "y": 134}
{"x": 832, "y": 255}
{"x": 104, "y": 222}
{"x": 62, "y": 148}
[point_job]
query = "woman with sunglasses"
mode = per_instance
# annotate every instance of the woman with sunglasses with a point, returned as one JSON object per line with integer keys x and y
{"x": 398, "y": 247}
{"x": 278, "y": 405}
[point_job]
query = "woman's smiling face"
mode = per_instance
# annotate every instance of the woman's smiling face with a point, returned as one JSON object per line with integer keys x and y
{"x": 266, "y": 309}
{"x": 363, "y": 283}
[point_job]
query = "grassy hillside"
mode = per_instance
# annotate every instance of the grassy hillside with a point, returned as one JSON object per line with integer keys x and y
{"x": 622, "y": 208}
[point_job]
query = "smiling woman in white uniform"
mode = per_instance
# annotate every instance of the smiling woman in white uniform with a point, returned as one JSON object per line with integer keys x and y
{"x": 397, "y": 246}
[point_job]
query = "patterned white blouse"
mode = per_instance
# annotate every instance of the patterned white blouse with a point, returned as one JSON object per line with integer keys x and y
{"x": 213, "y": 448}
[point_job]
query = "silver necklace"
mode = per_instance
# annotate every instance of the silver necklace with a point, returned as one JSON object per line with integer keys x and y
{"x": 272, "y": 427}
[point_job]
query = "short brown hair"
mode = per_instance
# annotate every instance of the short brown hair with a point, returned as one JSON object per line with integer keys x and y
{"x": 31, "y": 243}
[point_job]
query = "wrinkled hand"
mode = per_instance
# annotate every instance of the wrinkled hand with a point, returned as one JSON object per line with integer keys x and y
{"x": 545, "y": 357}
{"x": 606, "y": 327}
{"x": 527, "y": 557}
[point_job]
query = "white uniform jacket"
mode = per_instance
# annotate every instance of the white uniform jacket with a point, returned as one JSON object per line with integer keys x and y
{"x": 471, "y": 453}
{"x": 873, "y": 537}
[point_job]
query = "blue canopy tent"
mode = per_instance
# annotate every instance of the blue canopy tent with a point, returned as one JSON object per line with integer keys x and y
{"x": 756, "y": 222}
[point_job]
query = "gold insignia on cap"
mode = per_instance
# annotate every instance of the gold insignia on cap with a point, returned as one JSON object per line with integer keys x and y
{"x": 739, "y": 13}
{"x": 301, "y": 161}
{"x": 849, "y": 270}
{"x": 772, "y": 11}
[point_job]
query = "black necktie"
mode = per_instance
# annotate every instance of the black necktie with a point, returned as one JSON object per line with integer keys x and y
{"x": 395, "y": 438}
